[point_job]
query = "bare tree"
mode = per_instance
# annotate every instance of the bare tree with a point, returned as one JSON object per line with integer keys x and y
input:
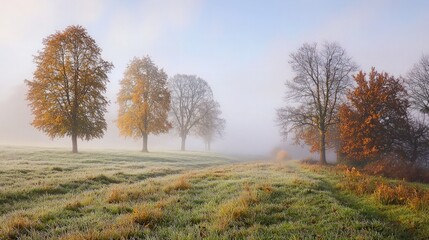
{"x": 211, "y": 125}
{"x": 322, "y": 77}
{"x": 191, "y": 100}
{"x": 417, "y": 83}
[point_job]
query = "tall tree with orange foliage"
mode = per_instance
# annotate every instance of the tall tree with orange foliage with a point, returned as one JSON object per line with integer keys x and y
{"x": 375, "y": 116}
{"x": 66, "y": 94}
{"x": 144, "y": 101}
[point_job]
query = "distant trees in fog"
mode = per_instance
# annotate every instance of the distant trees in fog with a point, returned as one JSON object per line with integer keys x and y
{"x": 211, "y": 125}
{"x": 67, "y": 98}
{"x": 193, "y": 108}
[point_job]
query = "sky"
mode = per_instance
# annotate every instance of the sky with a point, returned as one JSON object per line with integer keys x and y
{"x": 241, "y": 48}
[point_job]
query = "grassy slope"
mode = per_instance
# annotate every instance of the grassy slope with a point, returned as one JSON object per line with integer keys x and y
{"x": 102, "y": 195}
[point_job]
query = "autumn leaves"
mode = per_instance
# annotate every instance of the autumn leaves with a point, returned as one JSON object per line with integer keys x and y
{"x": 67, "y": 97}
{"x": 66, "y": 94}
{"x": 366, "y": 120}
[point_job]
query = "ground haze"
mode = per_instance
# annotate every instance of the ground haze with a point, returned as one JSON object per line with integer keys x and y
{"x": 52, "y": 193}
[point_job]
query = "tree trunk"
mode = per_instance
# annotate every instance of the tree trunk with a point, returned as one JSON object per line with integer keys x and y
{"x": 144, "y": 149}
{"x": 182, "y": 148}
{"x": 323, "y": 148}
{"x": 74, "y": 143}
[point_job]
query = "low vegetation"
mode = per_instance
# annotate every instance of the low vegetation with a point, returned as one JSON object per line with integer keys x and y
{"x": 126, "y": 195}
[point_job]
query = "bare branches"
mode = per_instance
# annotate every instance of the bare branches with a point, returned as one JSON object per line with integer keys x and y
{"x": 321, "y": 78}
{"x": 417, "y": 83}
{"x": 191, "y": 100}
{"x": 211, "y": 125}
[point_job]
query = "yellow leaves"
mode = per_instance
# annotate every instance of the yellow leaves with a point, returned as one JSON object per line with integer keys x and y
{"x": 141, "y": 110}
{"x": 66, "y": 99}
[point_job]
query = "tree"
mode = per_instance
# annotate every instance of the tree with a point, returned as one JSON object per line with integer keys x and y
{"x": 211, "y": 125}
{"x": 417, "y": 82}
{"x": 191, "y": 100}
{"x": 322, "y": 76}
{"x": 144, "y": 101}
{"x": 375, "y": 119}
{"x": 66, "y": 94}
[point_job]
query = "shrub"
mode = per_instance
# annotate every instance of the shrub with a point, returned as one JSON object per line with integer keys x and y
{"x": 357, "y": 182}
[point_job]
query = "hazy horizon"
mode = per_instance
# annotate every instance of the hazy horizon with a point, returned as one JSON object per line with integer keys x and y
{"x": 240, "y": 48}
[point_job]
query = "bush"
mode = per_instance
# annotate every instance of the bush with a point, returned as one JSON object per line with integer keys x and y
{"x": 393, "y": 167}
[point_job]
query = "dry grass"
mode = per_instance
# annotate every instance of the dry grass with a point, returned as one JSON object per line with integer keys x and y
{"x": 74, "y": 205}
{"x": 115, "y": 195}
{"x": 107, "y": 233}
{"x": 358, "y": 182}
{"x": 163, "y": 203}
{"x": 16, "y": 224}
{"x": 235, "y": 209}
{"x": 147, "y": 215}
{"x": 181, "y": 183}
{"x": 420, "y": 203}
{"x": 401, "y": 193}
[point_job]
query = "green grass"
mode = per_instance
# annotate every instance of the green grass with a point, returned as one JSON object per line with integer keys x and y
{"x": 53, "y": 194}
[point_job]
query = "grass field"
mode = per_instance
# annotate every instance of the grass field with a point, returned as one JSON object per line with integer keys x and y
{"x": 53, "y": 194}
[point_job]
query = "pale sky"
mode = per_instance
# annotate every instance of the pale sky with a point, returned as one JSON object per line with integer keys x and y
{"x": 241, "y": 48}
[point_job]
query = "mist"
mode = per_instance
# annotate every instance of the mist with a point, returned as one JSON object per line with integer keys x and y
{"x": 241, "y": 50}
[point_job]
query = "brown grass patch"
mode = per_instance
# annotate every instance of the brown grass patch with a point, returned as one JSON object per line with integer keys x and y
{"x": 401, "y": 193}
{"x": 266, "y": 187}
{"x": 115, "y": 195}
{"x": 74, "y": 205}
{"x": 181, "y": 183}
{"x": 359, "y": 183}
{"x": 107, "y": 233}
{"x": 146, "y": 215}
{"x": 163, "y": 203}
{"x": 16, "y": 224}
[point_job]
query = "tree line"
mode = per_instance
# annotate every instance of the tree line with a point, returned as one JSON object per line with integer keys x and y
{"x": 67, "y": 95}
{"x": 364, "y": 117}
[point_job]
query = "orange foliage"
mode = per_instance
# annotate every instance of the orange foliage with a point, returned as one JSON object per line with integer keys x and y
{"x": 144, "y": 100}
{"x": 66, "y": 93}
{"x": 376, "y": 112}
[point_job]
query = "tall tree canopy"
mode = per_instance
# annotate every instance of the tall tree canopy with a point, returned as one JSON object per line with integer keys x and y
{"x": 211, "y": 125}
{"x": 321, "y": 78}
{"x": 375, "y": 118}
{"x": 66, "y": 94}
{"x": 144, "y": 101}
{"x": 191, "y": 100}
